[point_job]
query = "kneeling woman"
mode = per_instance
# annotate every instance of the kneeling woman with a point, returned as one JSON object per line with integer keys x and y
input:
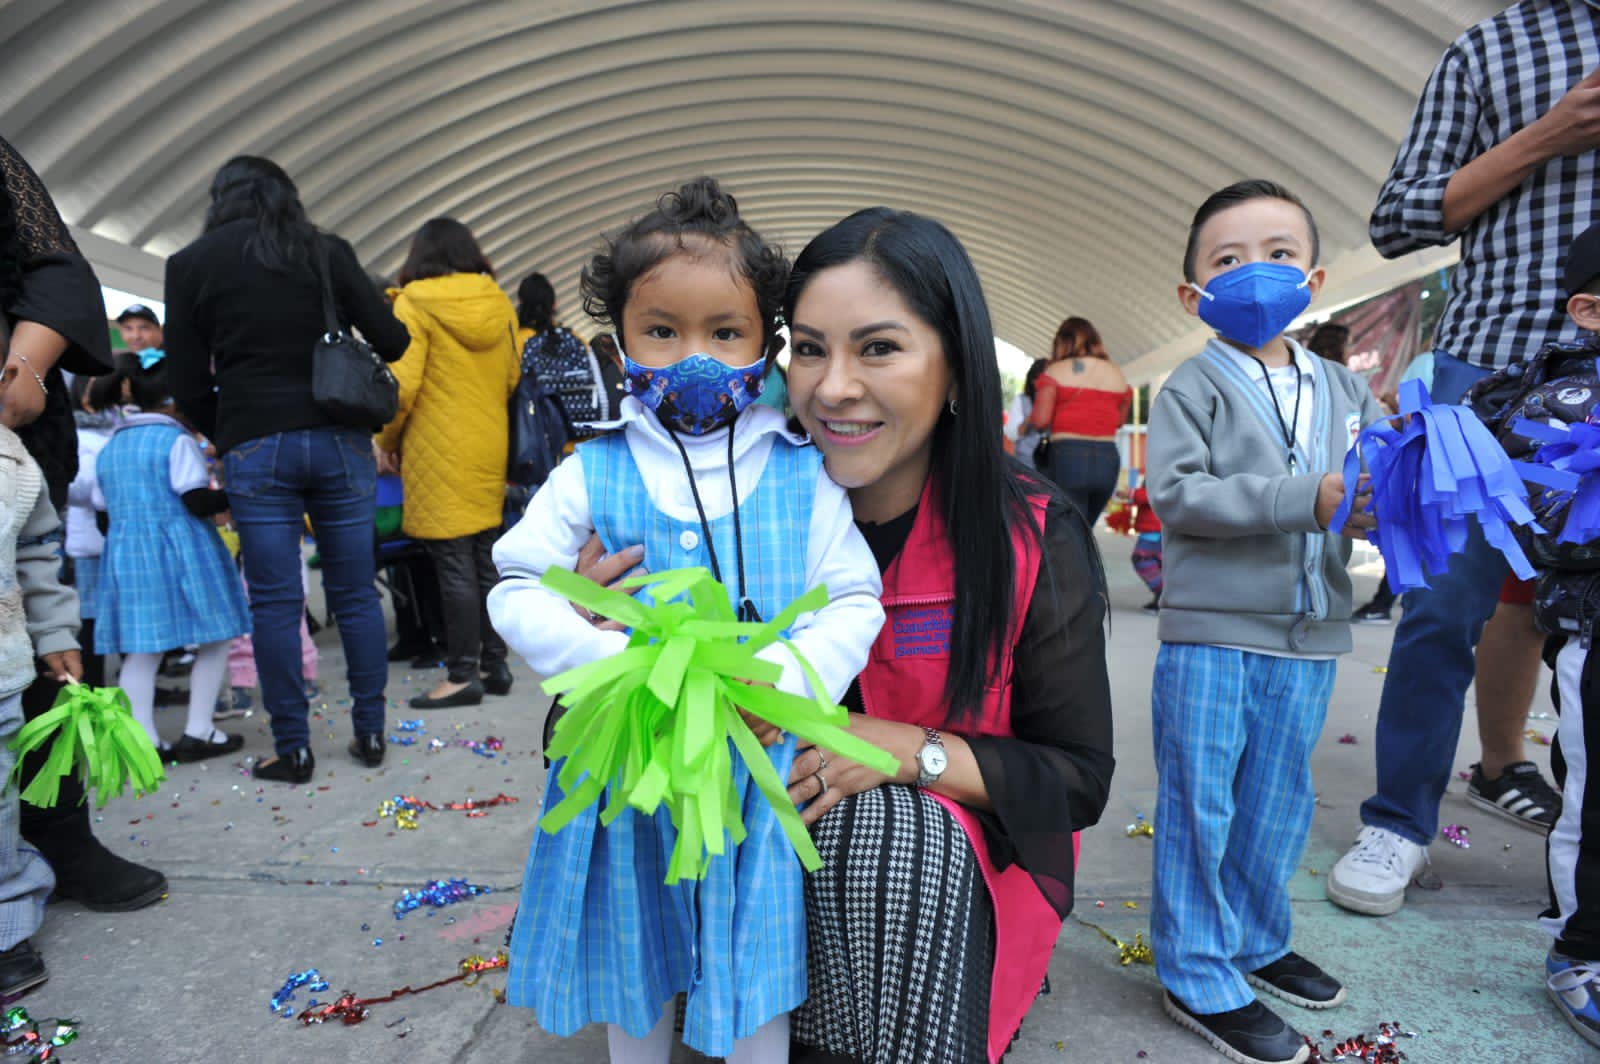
{"x": 931, "y": 924}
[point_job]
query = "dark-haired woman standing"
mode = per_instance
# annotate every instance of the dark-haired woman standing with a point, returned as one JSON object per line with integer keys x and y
{"x": 1082, "y": 400}
{"x": 452, "y": 436}
{"x": 244, "y": 312}
{"x": 561, "y": 361}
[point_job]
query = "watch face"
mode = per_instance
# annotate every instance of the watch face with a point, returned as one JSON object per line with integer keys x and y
{"x": 933, "y": 760}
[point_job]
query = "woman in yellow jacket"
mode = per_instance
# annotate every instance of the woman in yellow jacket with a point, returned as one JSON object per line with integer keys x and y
{"x": 450, "y": 439}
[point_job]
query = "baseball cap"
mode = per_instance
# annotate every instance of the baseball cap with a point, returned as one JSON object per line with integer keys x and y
{"x": 1583, "y": 261}
{"x": 139, "y": 310}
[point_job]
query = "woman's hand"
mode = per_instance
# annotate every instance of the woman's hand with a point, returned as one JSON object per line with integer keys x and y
{"x": 606, "y": 570}
{"x": 21, "y": 396}
{"x": 822, "y": 778}
{"x": 388, "y": 461}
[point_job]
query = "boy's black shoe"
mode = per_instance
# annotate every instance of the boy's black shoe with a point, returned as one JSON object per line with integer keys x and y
{"x": 497, "y": 679}
{"x": 1251, "y": 1035}
{"x": 293, "y": 767}
{"x": 188, "y": 749}
{"x": 1298, "y": 982}
{"x": 1519, "y": 794}
{"x": 21, "y": 969}
{"x": 367, "y": 749}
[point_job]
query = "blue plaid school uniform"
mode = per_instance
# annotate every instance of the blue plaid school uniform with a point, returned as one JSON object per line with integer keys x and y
{"x": 1233, "y": 734}
{"x": 599, "y": 937}
{"x": 166, "y": 579}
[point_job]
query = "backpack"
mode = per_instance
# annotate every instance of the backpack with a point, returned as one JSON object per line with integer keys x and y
{"x": 539, "y": 432}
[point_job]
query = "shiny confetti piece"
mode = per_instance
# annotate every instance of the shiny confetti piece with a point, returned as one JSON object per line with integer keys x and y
{"x": 351, "y": 1010}
{"x": 1457, "y": 835}
{"x": 25, "y": 1036}
{"x": 1537, "y": 737}
{"x": 1347, "y": 740}
{"x": 417, "y": 725}
{"x": 1380, "y": 669}
{"x": 310, "y": 980}
{"x": 438, "y": 894}
{"x": 1135, "y": 952}
{"x": 1130, "y": 905}
{"x": 1379, "y": 1048}
{"x": 1140, "y": 827}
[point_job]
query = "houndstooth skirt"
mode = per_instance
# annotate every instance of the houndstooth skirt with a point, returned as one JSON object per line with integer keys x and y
{"x": 900, "y": 936}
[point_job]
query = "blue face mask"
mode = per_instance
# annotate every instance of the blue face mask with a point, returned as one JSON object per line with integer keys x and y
{"x": 1254, "y": 303}
{"x": 697, "y": 394}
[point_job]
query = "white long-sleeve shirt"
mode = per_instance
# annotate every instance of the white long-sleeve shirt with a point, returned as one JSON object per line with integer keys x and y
{"x": 542, "y": 626}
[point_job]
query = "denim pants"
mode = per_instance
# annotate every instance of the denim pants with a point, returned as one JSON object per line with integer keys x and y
{"x": 1431, "y": 664}
{"x": 273, "y": 483}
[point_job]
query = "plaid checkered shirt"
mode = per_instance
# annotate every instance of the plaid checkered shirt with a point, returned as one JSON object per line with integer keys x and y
{"x": 1506, "y": 299}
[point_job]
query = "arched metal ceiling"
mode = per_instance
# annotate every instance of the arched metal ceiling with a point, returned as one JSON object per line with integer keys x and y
{"x": 1066, "y": 141}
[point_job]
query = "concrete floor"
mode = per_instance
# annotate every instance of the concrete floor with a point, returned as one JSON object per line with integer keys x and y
{"x": 268, "y": 880}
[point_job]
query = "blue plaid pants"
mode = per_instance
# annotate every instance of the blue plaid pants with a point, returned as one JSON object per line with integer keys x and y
{"x": 1234, "y": 732}
{"x": 25, "y": 879}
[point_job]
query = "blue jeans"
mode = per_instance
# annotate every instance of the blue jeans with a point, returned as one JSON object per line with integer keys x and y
{"x": 273, "y": 482}
{"x": 1431, "y": 664}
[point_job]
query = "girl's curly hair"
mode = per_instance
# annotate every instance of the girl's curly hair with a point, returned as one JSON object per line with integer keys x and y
{"x": 698, "y": 210}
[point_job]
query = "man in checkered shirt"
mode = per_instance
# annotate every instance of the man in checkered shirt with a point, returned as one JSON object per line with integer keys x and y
{"x": 1502, "y": 155}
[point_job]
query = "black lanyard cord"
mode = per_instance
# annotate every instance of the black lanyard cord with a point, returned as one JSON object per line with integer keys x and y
{"x": 1291, "y": 429}
{"x": 747, "y": 609}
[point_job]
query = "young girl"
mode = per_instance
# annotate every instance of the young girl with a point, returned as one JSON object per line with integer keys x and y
{"x": 701, "y": 477}
{"x": 165, "y": 577}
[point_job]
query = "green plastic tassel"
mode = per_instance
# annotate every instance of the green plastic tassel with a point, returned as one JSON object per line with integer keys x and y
{"x": 655, "y": 721}
{"x": 95, "y": 734}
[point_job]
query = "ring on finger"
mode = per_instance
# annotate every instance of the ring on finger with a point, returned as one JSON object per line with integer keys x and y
{"x": 822, "y": 782}
{"x": 822, "y": 760}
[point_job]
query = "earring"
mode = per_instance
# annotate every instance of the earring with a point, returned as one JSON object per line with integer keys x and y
{"x": 952, "y": 408}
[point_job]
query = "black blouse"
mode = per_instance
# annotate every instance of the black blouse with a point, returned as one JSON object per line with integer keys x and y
{"x": 60, "y": 291}
{"x": 1052, "y": 776}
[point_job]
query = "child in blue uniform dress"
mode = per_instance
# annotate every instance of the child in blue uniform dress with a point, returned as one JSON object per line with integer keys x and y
{"x": 700, "y": 476}
{"x": 166, "y": 579}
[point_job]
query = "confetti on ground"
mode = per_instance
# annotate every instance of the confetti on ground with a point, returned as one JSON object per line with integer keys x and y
{"x": 438, "y": 894}
{"x": 351, "y": 1010}
{"x": 1135, "y": 952}
{"x": 1458, "y": 835}
{"x": 1380, "y": 1048}
{"x": 1538, "y": 737}
{"x": 24, "y": 1035}
{"x": 1140, "y": 826}
{"x": 310, "y": 979}
{"x": 1347, "y": 739}
{"x": 1130, "y": 905}
{"x": 1380, "y": 669}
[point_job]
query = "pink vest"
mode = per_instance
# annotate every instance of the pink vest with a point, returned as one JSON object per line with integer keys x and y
{"x": 904, "y": 681}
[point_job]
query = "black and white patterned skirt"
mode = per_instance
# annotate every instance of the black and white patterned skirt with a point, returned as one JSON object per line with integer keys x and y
{"x": 900, "y": 936}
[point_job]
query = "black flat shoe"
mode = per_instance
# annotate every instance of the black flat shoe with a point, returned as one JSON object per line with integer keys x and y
{"x": 98, "y": 879}
{"x": 1251, "y": 1035}
{"x": 21, "y": 969}
{"x": 367, "y": 749}
{"x": 470, "y": 695}
{"x": 1298, "y": 982}
{"x": 497, "y": 679}
{"x": 293, "y": 767}
{"x": 188, "y": 749}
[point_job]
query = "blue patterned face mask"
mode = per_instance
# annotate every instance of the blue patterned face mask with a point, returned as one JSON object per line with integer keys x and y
{"x": 697, "y": 394}
{"x": 1255, "y": 302}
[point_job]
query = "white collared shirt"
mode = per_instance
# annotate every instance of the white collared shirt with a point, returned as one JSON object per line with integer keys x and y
{"x": 1282, "y": 383}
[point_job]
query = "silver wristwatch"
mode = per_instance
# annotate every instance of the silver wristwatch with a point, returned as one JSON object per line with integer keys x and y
{"x": 931, "y": 759}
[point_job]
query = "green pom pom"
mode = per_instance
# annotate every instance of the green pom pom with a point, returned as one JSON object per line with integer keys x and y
{"x": 655, "y": 722}
{"x": 95, "y": 735}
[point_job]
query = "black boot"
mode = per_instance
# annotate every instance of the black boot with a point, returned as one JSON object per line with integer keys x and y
{"x": 367, "y": 749}
{"x": 85, "y": 870}
{"x": 497, "y": 679}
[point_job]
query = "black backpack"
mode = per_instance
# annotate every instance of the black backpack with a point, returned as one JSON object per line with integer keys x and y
{"x": 539, "y": 432}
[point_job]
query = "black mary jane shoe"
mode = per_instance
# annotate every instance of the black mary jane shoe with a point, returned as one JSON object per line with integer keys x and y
{"x": 497, "y": 679}
{"x": 21, "y": 969}
{"x": 293, "y": 767}
{"x": 470, "y": 695}
{"x": 367, "y": 749}
{"x": 189, "y": 749}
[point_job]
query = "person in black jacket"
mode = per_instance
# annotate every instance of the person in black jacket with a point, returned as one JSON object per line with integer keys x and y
{"x": 50, "y": 305}
{"x": 244, "y": 313}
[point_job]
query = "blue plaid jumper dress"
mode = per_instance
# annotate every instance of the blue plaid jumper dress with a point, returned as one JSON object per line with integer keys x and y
{"x": 166, "y": 579}
{"x": 599, "y": 937}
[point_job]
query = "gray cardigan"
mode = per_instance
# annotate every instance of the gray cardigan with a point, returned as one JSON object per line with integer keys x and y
{"x": 1244, "y": 562}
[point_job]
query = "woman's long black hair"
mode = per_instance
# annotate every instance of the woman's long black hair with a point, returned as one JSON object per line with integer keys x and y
{"x": 985, "y": 495}
{"x": 536, "y": 303}
{"x": 249, "y": 186}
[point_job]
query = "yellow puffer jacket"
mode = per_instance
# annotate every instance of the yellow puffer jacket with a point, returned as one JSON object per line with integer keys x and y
{"x": 456, "y": 380}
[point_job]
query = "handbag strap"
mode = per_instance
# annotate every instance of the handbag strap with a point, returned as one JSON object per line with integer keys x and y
{"x": 330, "y": 311}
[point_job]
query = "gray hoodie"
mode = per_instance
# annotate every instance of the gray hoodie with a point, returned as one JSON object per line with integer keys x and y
{"x": 1244, "y": 562}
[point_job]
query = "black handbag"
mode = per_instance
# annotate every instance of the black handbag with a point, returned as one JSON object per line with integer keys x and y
{"x": 349, "y": 382}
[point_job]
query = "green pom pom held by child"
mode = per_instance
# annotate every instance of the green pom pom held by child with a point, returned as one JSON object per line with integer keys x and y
{"x": 654, "y": 885}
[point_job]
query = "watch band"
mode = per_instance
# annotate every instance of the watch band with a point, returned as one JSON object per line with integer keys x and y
{"x": 934, "y": 741}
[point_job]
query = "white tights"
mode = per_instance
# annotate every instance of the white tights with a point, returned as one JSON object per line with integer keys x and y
{"x": 769, "y": 1045}
{"x": 138, "y": 679}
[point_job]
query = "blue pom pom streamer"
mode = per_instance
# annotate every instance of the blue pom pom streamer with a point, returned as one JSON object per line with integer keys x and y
{"x": 1569, "y": 462}
{"x": 1428, "y": 479}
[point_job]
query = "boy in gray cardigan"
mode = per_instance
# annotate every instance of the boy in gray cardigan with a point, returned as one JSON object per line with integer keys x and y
{"x": 1246, "y": 441}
